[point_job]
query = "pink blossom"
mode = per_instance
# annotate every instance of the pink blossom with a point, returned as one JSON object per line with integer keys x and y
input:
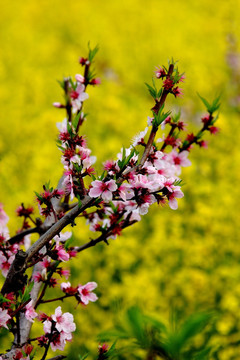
{"x": 177, "y": 92}
{"x": 37, "y": 277}
{"x": 64, "y": 322}
{"x": 65, "y": 286}
{"x": 30, "y": 313}
{"x": 203, "y": 143}
{"x": 177, "y": 193}
{"x": 61, "y": 253}
{"x": 47, "y": 326}
{"x": 84, "y": 61}
{"x": 155, "y": 159}
{"x": 95, "y": 81}
{"x": 139, "y": 137}
{"x": 141, "y": 182}
{"x": 64, "y": 272}
{"x": 149, "y": 121}
{"x": 80, "y": 78}
{"x": 125, "y": 191}
{"x": 3, "y": 223}
{"x": 68, "y": 184}
{"x": 61, "y": 326}
{"x": 46, "y": 262}
{"x": 62, "y": 126}
{"x": 68, "y": 289}
{"x": 58, "y": 105}
{"x": 59, "y": 341}
{"x": 103, "y": 348}
{"x": 169, "y": 184}
{"x": 111, "y": 167}
{"x": 3, "y": 217}
{"x": 78, "y": 96}
{"x": 160, "y": 72}
{"x": 103, "y": 189}
{"x": 179, "y": 159}
{"x": 4, "y": 317}
{"x": 63, "y": 236}
{"x": 213, "y": 130}
{"x": 5, "y": 263}
{"x": 165, "y": 122}
{"x": 157, "y": 181}
{"x": 40, "y": 276}
{"x": 86, "y": 293}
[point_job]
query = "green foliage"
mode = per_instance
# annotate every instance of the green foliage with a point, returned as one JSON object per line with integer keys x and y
{"x": 76, "y": 120}
{"x": 150, "y": 334}
{"x": 126, "y": 158}
{"x": 92, "y": 52}
{"x": 3, "y": 299}
{"x": 160, "y": 116}
{"x": 156, "y": 94}
{"x": 25, "y": 296}
{"x": 211, "y": 108}
{"x": 83, "y": 357}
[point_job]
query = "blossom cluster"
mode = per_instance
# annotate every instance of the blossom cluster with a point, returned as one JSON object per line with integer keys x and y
{"x": 58, "y": 329}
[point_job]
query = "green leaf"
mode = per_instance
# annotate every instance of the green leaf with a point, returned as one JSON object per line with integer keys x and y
{"x": 92, "y": 53}
{"x": 26, "y": 294}
{"x": 79, "y": 200}
{"x": 69, "y": 129}
{"x": 179, "y": 337}
{"x": 135, "y": 320}
{"x": 177, "y": 182}
{"x": 160, "y": 117}
{"x": 205, "y": 102}
{"x": 38, "y": 196}
{"x": 176, "y": 117}
{"x": 62, "y": 84}
{"x": 75, "y": 121}
{"x": 112, "y": 352}
{"x": 159, "y": 94}
{"x": 69, "y": 242}
{"x": 3, "y": 299}
{"x": 119, "y": 333}
{"x": 102, "y": 176}
{"x": 152, "y": 91}
{"x": 203, "y": 355}
{"x": 73, "y": 85}
{"x": 211, "y": 108}
{"x": 83, "y": 357}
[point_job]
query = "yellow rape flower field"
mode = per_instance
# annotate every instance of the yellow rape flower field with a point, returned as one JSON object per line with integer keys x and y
{"x": 187, "y": 260}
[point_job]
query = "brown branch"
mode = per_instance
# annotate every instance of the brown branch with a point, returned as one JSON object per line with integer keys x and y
{"x": 102, "y": 237}
{"x": 156, "y": 108}
{"x": 58, "y": 226}
{"x": 15, "y": 279}
{"x": 14, "y": 239}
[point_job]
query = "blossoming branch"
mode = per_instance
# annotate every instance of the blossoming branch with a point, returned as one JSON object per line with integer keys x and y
{"x": 146, "y": 173}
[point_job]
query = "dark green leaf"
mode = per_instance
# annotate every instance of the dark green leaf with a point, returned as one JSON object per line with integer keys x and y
{"x": 83, "y": 357}
{"x": 26, "y": 295}
{"x": 152, "y": 91}
{"x": 76, "y": 121}
{"x": 3, "y": 299}
{"x": 62, "y": 84}
{"x": 211, "y": 108}
{"x": 92, "y": 53}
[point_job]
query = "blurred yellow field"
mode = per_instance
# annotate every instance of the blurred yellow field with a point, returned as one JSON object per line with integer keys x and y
{"x": 187, "y": 259}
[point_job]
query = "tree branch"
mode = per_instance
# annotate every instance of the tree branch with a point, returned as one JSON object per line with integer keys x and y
{"x": 59, "y": 225}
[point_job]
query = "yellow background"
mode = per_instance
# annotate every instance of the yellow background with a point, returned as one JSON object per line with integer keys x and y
{"x": 188, "y": 259}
